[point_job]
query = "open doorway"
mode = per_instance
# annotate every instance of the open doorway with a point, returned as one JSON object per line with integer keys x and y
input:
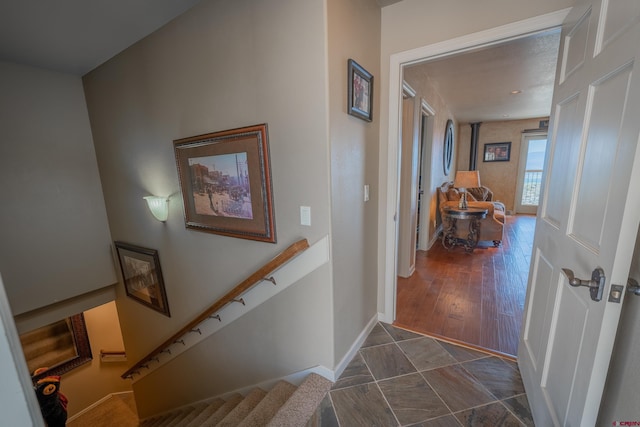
{"x": 436, "y": 52}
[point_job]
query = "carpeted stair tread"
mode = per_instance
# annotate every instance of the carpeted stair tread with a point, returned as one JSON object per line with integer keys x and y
{"x": 299, "y": 408}
{"x": 195, "y": 411}
{"x": 112, "y": 412}
{"x": 129, "y": 400}
{"x": 269, "y": 406}
{"x": 250, "y": 401}
{"x": 222, "y": 412}
{"x": 170, "y": 418}
{"x": 211, "y": 408}
{"x": 180, "y": 420}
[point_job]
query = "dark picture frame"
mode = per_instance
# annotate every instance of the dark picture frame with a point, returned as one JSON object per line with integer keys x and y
{"x": 497, "y": 152}
{"x": 142, "y": 276}
{"x": 80, "y": 346}
{"x": 225, "y": 178}
{"x": 360, "y": 91}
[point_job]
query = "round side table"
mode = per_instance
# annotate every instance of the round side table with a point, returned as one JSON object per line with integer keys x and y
{"x": 452, "y": 215}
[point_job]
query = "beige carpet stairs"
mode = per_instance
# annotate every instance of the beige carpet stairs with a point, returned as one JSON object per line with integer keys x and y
{"x": 285, "y": 405}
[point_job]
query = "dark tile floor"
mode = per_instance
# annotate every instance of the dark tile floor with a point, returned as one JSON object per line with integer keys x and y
{"x": 399, "y": 378}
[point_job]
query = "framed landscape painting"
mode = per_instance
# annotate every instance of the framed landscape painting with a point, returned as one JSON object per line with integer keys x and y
{"x": 142, "y": 276}
{"x": 225, "y": 178}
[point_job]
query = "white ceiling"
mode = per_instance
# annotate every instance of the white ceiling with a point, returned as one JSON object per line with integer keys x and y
{"x": 75, "y": 36}
{"x": 477, "y": 85}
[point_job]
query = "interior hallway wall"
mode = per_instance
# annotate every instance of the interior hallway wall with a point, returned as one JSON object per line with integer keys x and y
{"x": 223, "y": 64}
{"x": 353, "y": 32}
{"x": 54, "y": 235}
{"x": 426, "y": 90}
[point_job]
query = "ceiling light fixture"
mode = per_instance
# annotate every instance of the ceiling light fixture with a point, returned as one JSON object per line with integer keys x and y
{"x": 516, "y": 92}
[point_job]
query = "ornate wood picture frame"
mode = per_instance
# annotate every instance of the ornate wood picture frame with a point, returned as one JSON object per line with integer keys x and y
{"x": 225, "y": 178}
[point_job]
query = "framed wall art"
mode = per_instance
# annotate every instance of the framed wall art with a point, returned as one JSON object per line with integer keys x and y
{"x": 360, "y": 91}
{"x": 497, "y": 152}
{"x": 71, "y": 350}
{"x": 142, "y": 276}
{"x": 225, "y": 178}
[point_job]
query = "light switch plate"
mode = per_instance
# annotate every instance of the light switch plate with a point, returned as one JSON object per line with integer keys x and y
{"x": 366, "y": 192}
{"x": 305, "y": 215}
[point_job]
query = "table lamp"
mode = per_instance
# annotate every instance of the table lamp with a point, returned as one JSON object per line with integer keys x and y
{"x": 464, "y": 180}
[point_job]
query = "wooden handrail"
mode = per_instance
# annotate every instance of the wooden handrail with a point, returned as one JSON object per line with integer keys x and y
{"x": 233, "y": 295}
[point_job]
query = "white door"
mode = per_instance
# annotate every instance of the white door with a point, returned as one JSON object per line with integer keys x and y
{"x": 408, "y": 185}
{"x": 530, "y": 171}
{"x": 589, "y": 214}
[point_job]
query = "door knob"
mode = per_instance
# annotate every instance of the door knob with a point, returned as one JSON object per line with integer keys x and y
{"x": 595, "y": 285}
{"x": 632, "y": 286}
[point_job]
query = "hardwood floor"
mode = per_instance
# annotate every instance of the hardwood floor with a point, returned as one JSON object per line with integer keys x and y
{"x": 475, "y": 298}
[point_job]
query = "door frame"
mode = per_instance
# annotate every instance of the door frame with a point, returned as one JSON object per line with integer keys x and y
{"x": 522, "y": 166}
{"x": 389, "y": 207}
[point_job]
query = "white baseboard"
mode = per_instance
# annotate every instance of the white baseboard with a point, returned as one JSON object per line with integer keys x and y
{"x": 295, "y": 378}
{"x": 97, "y": 403}
{"x": 354, "y": 347}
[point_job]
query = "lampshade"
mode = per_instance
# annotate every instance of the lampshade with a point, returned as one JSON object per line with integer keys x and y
{"x": 159, "y": 207}
{"x": 467, "y": 179}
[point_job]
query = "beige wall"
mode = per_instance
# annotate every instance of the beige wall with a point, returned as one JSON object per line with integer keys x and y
{"x": 91, "y": 382}
{"x": 500, "y": 177}
{"x": 221, "y": 65}
{"x": 353, "y": 32}
{"x": 410, "y": 24}
{"x": 426, "y": 90}
{"x": 55, "y": 237}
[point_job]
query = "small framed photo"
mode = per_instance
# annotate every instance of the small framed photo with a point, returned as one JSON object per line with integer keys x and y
{"x": 225, "y": 178}
{"x": 497, "y": 152}
{"x": 360, "y": 92}
{"x": 142, "y": 276}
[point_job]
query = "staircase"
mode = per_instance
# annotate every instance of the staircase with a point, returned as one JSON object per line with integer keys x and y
{"x": 285, "y": 405}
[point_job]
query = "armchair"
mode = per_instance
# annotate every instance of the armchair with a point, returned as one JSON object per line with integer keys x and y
{"x": 491, "y": 227}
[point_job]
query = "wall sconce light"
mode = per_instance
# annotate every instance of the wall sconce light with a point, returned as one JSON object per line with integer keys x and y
{"x": 159, "y": 207}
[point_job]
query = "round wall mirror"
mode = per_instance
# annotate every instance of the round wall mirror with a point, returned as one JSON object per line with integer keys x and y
{"x": 447, "y": 155}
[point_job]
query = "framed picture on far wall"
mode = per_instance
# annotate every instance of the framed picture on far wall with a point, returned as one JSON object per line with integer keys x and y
{"x": 225, "y": 178}
{"x": 360, "y": 92}
{"x": 497, "y": 152}
{"x": 142, "y": 276}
